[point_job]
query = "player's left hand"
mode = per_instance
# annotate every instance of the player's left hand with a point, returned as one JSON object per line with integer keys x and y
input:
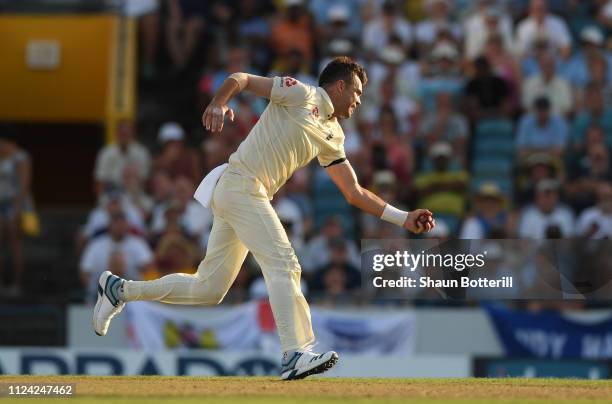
{"x": 420, "y": 221}
{"x": 214, "y": 115}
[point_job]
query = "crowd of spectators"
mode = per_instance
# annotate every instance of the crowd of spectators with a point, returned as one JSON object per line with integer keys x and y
{"x": 494, "y": 114}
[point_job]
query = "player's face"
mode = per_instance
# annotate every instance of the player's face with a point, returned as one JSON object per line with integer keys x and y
{"x": 351, "y": 98}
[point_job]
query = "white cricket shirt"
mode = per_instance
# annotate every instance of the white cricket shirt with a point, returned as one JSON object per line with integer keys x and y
{"x": 294, "y": 129}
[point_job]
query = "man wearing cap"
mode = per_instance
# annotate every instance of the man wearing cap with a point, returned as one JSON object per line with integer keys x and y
{"x": 299, "y": 124}
{"x": 546, "y": 213}
{"x": 442, "y": 187}
{"x": 490, "y": 218}
{"x": 175, "y": 158}
{"x": 576, "y": 70}
{"x": 541, "y": 130}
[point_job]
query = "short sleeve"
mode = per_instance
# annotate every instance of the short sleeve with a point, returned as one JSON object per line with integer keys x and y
{"x": 289, "y": 91}
{"x": 332, "y": 156}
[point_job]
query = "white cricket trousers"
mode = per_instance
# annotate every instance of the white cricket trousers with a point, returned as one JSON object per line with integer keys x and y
{"x": 244, "y": 220}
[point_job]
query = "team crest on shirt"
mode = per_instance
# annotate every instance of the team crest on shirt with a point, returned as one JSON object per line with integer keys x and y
{"x": 315, "y": 112}
{"x": 290, "y": 81}
{"x": 329, "y": 136}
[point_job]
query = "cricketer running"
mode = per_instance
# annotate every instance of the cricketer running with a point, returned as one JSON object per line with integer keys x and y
{"x": 299, "y": 124}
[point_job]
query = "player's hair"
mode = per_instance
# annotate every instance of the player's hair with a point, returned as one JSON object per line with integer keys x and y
{"x": 342, "y": 68}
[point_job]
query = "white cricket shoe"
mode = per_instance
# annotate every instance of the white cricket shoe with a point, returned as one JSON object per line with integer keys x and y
{"x": 107, "y": 306}
{"x": 301, "y": 364}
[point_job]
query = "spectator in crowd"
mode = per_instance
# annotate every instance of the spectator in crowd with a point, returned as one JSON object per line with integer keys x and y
{"x": 393, "y": 85}
{"x": 294, "y": 29}
{"x": 174, "y": 253}
{"x": 541, "y": 131}
{"x": 530, "y": 65}
{"x": 549, "y": 84}
{"x": 485, "y": 23}
{"x": 318, "y": 249}
{"x": 294, "y": 65}
{"x": 588, "y": 174}
{"x": 338, "y": 280}
{"x": 537, "y": 167}
{"x": 113, "y": 158}
{"x": 15, "y": 195}
{"x": 442, "y": 189}
{"x": 490, "y": 216}
{"x": 133, "y": 189}
{"x": 184, "y": 27}
{"x": 393, "y": 65}
{"x": 116, "y": 251}
{"x": 398, "y": 151}
{"x": 595, "y": 113}
{"x": 175, "y": 157}
{"x": 576, "y": 70}
{"x": 540, "y": 23}
{"x": 505, "y": 66}
{"x": 111, "y": 202}
{"x": 195, "y": 220}
{"x": 254, "y": 29}
{"x": 147, "y": 13}
{"x": 596, "y": 221}
{"x": 438, "y": 19}
{"x": 378, "y": 32}
{"x": 329, "y": 12}
{"x": 487, "y": 95}
{"x": 547, "y": 215}
{"x": 441, "y": 73}
{"x": 338, "y": 25}
{"x": 599, "y": 72}
{"x": 445, "y": 124}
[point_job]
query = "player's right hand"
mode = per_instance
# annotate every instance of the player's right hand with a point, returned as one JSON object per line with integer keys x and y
{"x": 214, "y": 115}
{"x": 420, "y": 221}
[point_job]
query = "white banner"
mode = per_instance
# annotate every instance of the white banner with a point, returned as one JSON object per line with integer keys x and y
{"x": 250, "y": 326}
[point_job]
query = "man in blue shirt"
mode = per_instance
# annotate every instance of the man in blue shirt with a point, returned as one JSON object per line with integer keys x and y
{"x": 541, "y": 130}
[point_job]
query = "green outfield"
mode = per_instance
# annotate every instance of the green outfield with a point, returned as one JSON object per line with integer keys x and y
{"x": 245, "y": 390}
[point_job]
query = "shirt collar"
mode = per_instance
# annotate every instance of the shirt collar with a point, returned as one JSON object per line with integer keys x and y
{"x": 328, "y": 107}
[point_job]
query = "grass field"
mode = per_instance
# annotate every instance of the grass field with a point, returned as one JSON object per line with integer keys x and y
{"x": 246, "y": 390}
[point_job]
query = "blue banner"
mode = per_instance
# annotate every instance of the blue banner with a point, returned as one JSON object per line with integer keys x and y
{"x": 548, "y": 334}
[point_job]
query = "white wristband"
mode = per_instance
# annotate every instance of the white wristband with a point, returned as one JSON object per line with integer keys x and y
{"x": 393, "y": 215}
